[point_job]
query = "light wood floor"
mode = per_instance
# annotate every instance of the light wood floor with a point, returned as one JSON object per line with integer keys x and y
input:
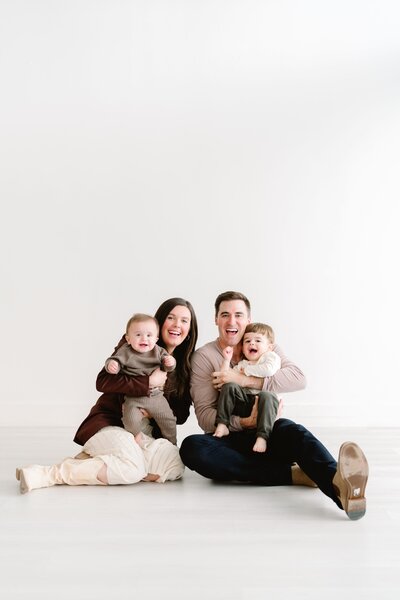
{"x": 193, "y": 538}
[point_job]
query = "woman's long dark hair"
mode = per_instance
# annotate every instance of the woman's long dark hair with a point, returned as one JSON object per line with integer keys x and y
{"x": 184, "y": 351}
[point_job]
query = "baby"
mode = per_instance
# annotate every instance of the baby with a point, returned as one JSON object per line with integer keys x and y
{"x": 140, "y": 355}
{"x": 259, "y": 361}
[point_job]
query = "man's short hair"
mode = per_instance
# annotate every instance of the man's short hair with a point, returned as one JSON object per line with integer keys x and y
{"x": 228, "y": 296}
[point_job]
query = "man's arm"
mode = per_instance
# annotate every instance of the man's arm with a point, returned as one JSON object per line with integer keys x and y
{"x": 289, "y": 378}
{"x": 270, "y": 365}
{"x": 203, "y": 394}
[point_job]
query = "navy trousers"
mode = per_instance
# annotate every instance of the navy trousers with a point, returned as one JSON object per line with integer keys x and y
{"x": 232, "y": 458}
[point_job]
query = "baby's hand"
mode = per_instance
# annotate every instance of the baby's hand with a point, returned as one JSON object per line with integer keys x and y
{"x": 227, "y": 353}
{"x": 168, "y": 361}
{"x": 113, "y": 367}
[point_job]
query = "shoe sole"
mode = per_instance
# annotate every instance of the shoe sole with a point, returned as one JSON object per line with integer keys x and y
{"x": 351, "y": 479}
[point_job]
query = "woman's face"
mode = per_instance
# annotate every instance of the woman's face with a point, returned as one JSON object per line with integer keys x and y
{"x": 176, "y": 327}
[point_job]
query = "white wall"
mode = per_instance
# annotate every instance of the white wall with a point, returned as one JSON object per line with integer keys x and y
{"x": 159, "y": 148}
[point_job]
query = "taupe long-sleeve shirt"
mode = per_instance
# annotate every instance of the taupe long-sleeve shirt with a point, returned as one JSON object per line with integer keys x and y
{"x": 208, "y": 359}
{"x": 135, "y": 363}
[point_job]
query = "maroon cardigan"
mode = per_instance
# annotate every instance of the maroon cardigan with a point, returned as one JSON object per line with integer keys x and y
{"x": 108, "y": 408}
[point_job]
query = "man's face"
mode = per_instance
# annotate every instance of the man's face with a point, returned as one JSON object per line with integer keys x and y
{"x": 231, "y": 321}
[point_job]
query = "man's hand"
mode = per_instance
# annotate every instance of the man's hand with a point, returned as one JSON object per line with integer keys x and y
{"x": 251, "y": 421}
{"x": 230, "y": 376}
{"x": 280, "y": 409}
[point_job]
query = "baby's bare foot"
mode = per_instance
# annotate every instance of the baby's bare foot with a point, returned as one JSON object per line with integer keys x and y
{"x": 260, "y": 445}
{"x": 221, "y": 431}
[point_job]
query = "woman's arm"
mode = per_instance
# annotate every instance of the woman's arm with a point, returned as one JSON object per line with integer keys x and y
{"x": 122, "y": 384}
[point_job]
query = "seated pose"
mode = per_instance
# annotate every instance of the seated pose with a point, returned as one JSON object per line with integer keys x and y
{"x": 260, "y": 361}
{"x": 140, "y": 355}
{"x": 147, "y": 460}
{"x": 295, "y": 455}
{"x": 113, "y": 455}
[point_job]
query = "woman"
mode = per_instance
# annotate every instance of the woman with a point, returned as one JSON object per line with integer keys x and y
{"x": 116, "y": 456}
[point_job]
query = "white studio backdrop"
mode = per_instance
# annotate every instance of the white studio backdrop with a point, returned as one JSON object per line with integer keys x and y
{"x": 183, "y": 148}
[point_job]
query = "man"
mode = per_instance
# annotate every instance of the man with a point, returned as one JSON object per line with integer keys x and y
{"x": 231, "y": 458}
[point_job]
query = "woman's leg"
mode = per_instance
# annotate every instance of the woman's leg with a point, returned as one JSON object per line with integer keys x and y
{"x": 161, "y": 458}
{"x": 121, "y": 454}
{"x": 115, "y": 458}
{"x": 70, "y": 471}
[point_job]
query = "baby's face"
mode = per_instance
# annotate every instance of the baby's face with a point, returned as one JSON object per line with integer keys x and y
{"x": 142, "y": 336}
{"x": 254, "y": 345}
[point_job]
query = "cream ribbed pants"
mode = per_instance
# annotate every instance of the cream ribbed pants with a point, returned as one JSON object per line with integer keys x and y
{"x": 118, "y": 449}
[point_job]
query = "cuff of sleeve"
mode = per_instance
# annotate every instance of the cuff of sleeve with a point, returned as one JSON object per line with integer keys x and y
{"x": 265, "y": 384}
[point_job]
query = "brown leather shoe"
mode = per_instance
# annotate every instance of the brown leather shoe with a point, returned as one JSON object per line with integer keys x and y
{"x": 350, "y": 480}
{"x": 300, "y": 478}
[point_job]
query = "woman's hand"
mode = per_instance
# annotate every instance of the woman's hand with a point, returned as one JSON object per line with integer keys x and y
{"x": 157, "y": 378}
{"x": 151, "y": 477}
